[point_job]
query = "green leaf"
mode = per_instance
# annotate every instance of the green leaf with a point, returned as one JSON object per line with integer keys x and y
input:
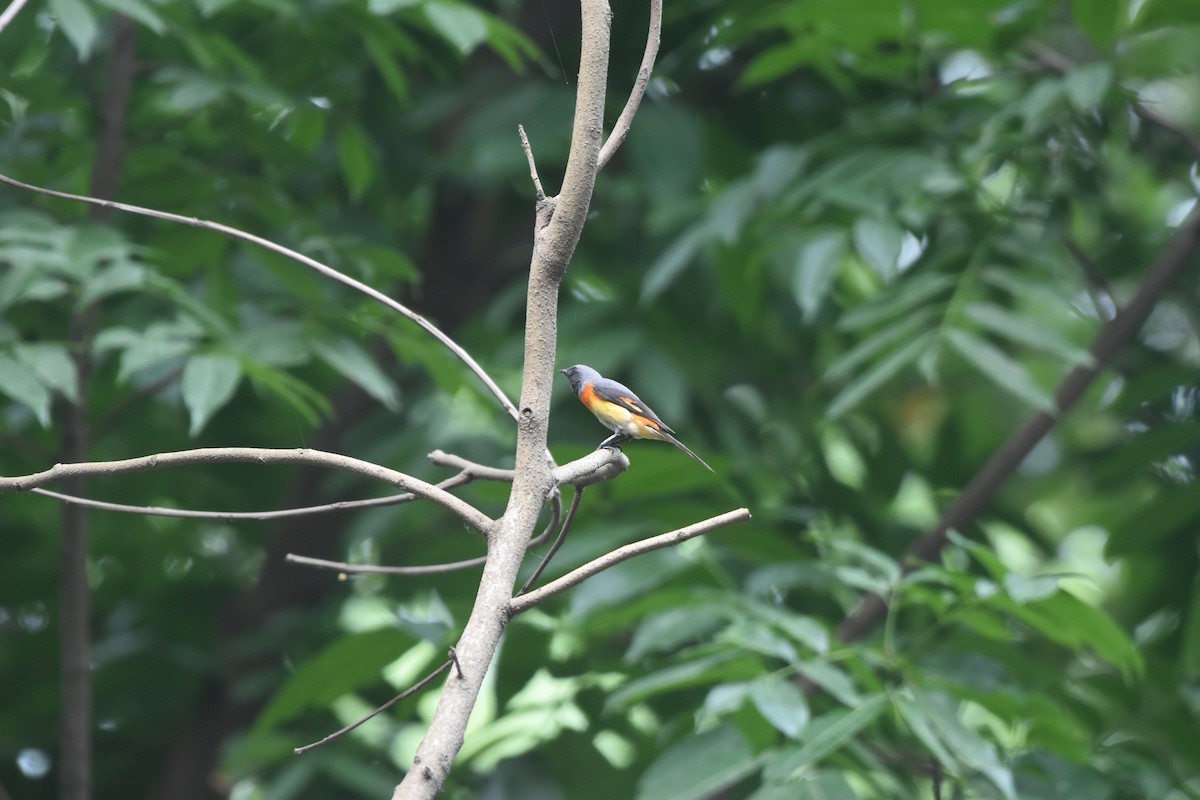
{"x": 781, "y": 703}
{"x": 816, "y": 266}
{"x": 460, "y": 24}
{"x": 876, "y": 343}
{"x": 832, "y": 679}
{"x": 78, "y": 23}
{"x": 209, "y": 382}
{"x": 52, "y": 365}
{"x": 872, "y": 379}
{"x": 668, "y": 630}
{"x": 963, "y": 743}
{"x": 829, "y": 732}
{"x": 139, "y": 11}
{"x": 1099, "y": 19}
{"x": 1088, "y": 626}
{"x": 699, "y": 766}
{"x": 1189, "y": 658}
{"x": 354, "y": 158}
{"x": 1087, "y": 85}
{"x": 381, "y": 8}
{"x": 385, "y": 63}
{"x": 1001, "y": 370}
{"x": 910, "y": 294}
{"x": 671, "y": 264}
{"x": 718, "y": 668}
{"x": 121, "y": 276}
{"x": 349, "y": 663}
{"x": 1025, "y": 330}
{"x": 151, "y": 350}
{"x": 21, "y": 384}
{"x": 352, "y": 361}
{"x": 878, "y": 241}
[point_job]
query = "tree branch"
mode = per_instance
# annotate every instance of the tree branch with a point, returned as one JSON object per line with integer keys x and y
{"x": 255, "y": 455}
{"x": 416, "y": 687}
{"x": 233, "y": 516}
{"x": 11, "y": 12}
{"x": 533, "y": 172}
{"x": 525, "y": 602}
{"x": 300, "y": 258}
{"x": 979, "y": 492}
{"x": 425, "y": 569}
{"x": 558, "y": 542}
{"x": 621, "y": 128}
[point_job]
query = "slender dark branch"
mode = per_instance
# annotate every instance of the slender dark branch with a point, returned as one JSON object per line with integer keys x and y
{"x": 621, "y": 128}
{"x": 1178, "y": 253}
{"x": 233, "y": 516}
{"x": 311, "y": 263}
{"x": 254, "y": 455}
{"x": 426, "y": 569}
{"x": 611, "y": 559}
{"x": 409, "y": 691}
{"x": 558, "y": 542}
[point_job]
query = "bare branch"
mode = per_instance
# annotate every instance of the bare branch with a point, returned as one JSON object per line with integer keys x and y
{"x": 562, "y": 537}
{"x": 255, "y": 455}
{"x": 311, "y": 263}
{"x": 533, "y": 173}
{"x": 476, "y": 470}
{"x": 621, "y": 128}
{"x": 599, "y": 465}
{"x": 426, "y": 569}
{"x": 233, "y": 516}
{"x": 416, "y": 687}
{"x": 527, "y": 601}
{"x": 13, "y": 9}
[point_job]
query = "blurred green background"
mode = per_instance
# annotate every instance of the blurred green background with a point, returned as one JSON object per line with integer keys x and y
{"x": 847, "y": 249}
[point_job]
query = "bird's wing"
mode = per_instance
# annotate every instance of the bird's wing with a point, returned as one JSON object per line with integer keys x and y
{"x": 623, "y": 396}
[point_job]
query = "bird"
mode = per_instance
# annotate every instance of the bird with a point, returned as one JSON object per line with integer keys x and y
{"x": 620, "y": 410}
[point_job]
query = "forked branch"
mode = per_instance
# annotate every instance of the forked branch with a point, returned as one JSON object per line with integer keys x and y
{"x": 255, "y": 455}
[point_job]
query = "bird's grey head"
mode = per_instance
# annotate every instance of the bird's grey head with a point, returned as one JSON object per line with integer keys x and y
{"x": 579, "y": 375}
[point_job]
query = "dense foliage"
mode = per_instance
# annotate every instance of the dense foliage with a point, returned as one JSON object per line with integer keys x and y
{"x": 846, "y": 251}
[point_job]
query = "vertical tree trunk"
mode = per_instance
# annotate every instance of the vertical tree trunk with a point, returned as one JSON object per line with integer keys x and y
{"x": 75, "y": 734}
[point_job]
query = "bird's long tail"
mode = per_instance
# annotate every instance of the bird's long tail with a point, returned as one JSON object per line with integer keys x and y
{"x": 669, "y": 438}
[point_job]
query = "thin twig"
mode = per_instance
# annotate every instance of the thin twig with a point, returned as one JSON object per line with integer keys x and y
{"x": 13, "y": 9}
{"x": 611, "y": 559}
{"x": 621, "y": 128}
{"x": 255, "y": 455}
{"x": 233, "y": 516}
{"x": 477, "y": 471}
{"x": 424, "y": 569}
{"x": 533, "y": 173}
{"x": 558, "y": 542}
{"x": 300, "y": 258}
{"x": 983, "y": 487}
{"x": 410, "y": 690}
